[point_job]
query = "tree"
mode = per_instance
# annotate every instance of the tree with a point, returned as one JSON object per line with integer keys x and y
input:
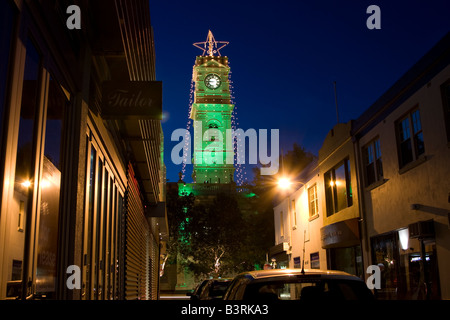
{"x": 215, "y": 231}
{"x": 229, "y": 232}
{"x": 291, "y": 165}
{"x": 178, "y": 207}
{"x": 295, "y": 160}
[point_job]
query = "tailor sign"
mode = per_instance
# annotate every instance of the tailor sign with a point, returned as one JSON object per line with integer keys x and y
{"x": 132, "y": 100}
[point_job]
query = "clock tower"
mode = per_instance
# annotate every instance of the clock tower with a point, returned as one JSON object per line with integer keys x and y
{"x": 211, "y": 111}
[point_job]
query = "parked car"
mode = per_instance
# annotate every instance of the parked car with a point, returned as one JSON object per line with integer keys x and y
{"x": 211, "y": 289}
{"x": 295, "y": 284}
{"x": 196, "y": 293}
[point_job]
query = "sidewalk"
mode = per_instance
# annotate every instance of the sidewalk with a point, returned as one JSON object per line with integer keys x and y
{"x": 170, "y": 295}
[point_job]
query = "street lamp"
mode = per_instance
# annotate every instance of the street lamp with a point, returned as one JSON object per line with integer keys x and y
{"x": 284, "y": 183}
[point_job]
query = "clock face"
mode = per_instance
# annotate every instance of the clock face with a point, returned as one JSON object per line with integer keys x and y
{"x": 212, "y": 81}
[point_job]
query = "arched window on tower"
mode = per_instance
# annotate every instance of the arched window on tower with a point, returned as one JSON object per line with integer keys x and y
{"x": 213, "y": 126}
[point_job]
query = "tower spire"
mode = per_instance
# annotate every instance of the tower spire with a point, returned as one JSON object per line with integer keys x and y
{"x": 210, "y": 45}
{"x": 211, "y": 42}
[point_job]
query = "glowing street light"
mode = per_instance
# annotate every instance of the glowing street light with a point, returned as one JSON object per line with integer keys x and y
{"x": 284, "y": 183}
{"x": 26, "y": 184}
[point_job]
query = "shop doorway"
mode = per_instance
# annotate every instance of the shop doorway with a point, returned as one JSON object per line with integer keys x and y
{"x": 347, "y": 259}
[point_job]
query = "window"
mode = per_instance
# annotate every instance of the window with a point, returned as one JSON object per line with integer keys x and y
{"x": 25, "y": 173}
{"x": 50, "y": 189}
{"x": 21, "y": 215}
{"x": 314, "y": 260}
{"x": 338, "y": 189}
{"x": 103, "y": 213}
{"x": 410, "y": 138}
{"x": 306, "y": 289}
{"x": 445, "y": 91}
{"x": 313, "y": 201}
{"x": 38, "y": 173}
{"x": 7, "y": 18}
{"x": 372, "y": 162}
{"x": 293, "y": 212}
{"x": 281, "y": 224}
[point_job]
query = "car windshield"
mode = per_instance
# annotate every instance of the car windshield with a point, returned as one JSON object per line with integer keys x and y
{"x": 325, "y": 289}
{"x": 218, "y": 288}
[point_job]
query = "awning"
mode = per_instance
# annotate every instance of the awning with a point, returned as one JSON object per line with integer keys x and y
{"x": 340, "y": 234}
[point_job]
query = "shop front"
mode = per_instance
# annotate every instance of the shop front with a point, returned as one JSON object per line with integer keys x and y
{"x": 342, "y": 243}
{"x": 408, "y": 262}
{"x": 81, "y": 154}
{"x": 279, "y": 256}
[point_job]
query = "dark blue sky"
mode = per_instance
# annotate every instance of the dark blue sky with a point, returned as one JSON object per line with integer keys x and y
{"x": 285, "y": 55}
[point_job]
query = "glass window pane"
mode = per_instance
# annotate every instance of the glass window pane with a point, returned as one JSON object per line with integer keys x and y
{"x": 417, "y": 126}
{"x": 404, "y": 129}
{"x": 6, "y": 29}
{"x": 369, "y": 162}
{"x": 50, "y": 186}
{"x": 89, "y": 224}
{"x": 445, "y": 91}
{"x": 406, "y": 153}
{"x": 24, "y": 171}
{"x": 420, "y": 146}
{"x": 369, "y": 154}
{"x": 379, "y": 164}
{"x": 370, "y": 173}
{"x": 377, "y": 149}
{"x": 341, "y": 188}
{"x": 281, "y": 224}
{"x": 349, "y": 183}
{"x": 329, "y": 183}
{"x": 27, "y": 114}
{"x": 97, "y": 223}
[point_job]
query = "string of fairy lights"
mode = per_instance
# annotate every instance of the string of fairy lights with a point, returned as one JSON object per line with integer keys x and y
{"x": 187, "y": 137}
{"x": 240, "y": 173}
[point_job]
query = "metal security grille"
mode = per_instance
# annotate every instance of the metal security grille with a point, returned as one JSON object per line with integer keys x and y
{"x": 154, "y": 265}
{"x": 137, "y": 240}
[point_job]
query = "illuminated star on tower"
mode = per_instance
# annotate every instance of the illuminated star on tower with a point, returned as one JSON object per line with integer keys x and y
{"x": 211, "y": 45}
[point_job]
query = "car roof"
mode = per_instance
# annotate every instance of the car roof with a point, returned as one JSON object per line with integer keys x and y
{"x": 220, "y": 279}
{"x": 278, "y": 273}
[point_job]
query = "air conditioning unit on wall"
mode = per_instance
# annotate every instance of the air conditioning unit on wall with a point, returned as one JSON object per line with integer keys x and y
{"x": 421, "y": 229}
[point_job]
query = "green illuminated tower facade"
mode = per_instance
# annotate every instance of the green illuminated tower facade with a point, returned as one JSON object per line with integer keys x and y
{"x": 211, "y": 111}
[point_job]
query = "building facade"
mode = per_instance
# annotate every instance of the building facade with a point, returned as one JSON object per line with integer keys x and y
{"x": 340, "y": 234}
{"x": 323, "y": 214}
{"x": 82, "y": 177}
{"x": 211, "y": 112}
{"x": 383, "y": 187}
{"x": 402, "y": 146}
{"x": 298, "y": 220}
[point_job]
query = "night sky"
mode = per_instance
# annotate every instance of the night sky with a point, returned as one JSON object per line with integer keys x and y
{"x": 285, "y": 55}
